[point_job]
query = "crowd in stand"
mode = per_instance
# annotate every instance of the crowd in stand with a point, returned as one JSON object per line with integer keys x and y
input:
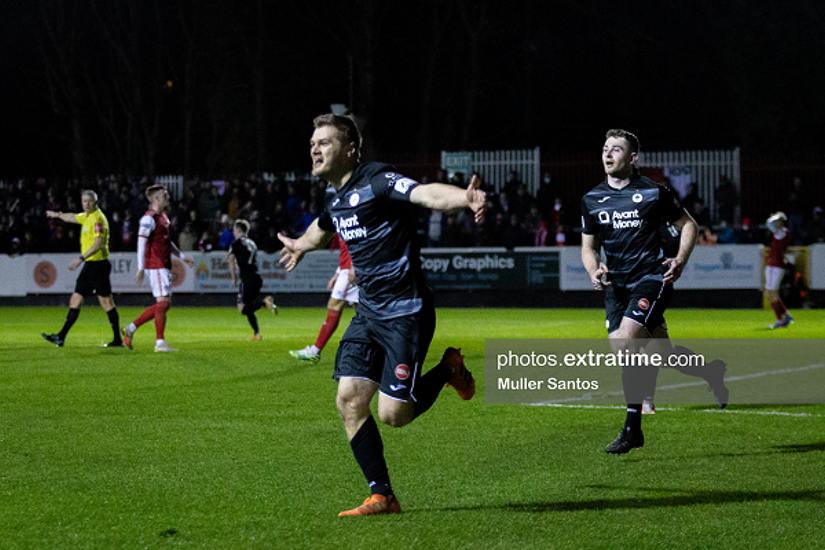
{"x": 202, "y": 217}
{"x": 807, "y": 227}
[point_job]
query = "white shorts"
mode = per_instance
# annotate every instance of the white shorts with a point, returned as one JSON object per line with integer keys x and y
{"x": 773, "y": 277}
{"x": 343, "y": 290}
{"x": 160, "y": 281}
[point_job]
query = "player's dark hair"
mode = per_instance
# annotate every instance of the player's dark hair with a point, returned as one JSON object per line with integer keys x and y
{"x": 152, "y": 189}
{"x": 243, "y": 225}
{"x": 346, "y": 127}
{"x": 629, "y": 136}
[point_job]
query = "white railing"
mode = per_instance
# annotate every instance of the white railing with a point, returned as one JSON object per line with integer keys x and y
{"x": 705, "y": 167}
{"x": 495, "y": 166}
{"x": 173, "y": 183}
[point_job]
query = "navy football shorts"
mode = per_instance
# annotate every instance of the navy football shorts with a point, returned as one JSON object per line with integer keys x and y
{"x": 389, "y": 352}
{"x": 644, "y": 304}
{"x": 249, "y": 289}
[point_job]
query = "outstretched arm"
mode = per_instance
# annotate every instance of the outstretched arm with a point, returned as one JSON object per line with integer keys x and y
{"x": 294, "y": 249}
{"x": 440, "y": 196}
{"x": 67, "y": 217}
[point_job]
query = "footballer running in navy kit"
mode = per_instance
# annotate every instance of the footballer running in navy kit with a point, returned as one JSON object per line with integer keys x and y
{"x": 243, "y": 254}
{"x": 623, "y": 215}
{"x": 372, "y": 208}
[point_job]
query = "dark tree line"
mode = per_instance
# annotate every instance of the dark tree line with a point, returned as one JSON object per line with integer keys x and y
{"x": 208, "y": 87}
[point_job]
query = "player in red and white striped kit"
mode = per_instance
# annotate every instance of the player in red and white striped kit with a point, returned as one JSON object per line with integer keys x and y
{"x": 154, "y": 261}
{"x": 775, "y": 268}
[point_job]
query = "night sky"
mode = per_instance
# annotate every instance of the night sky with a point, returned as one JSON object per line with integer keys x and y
{"x": 212, "y": 87}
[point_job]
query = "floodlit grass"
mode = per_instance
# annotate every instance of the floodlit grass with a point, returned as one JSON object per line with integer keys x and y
{"x": 233, "y": 444}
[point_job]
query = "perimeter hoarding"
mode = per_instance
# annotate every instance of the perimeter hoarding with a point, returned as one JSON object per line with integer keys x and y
{"x": 737, "y": 266}
{"x": 49, "y": 273}
{"x": 491, "y": 269}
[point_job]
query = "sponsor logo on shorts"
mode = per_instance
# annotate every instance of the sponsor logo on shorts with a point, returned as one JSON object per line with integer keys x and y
{"x": 638, "y": 313}
{"x": 397, "y": 387}
{"x": 402, "y": 372}
{"x": 644, "y": 304}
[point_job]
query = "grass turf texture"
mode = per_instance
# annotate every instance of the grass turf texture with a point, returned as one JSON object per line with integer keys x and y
{"x": 234, "y": 444}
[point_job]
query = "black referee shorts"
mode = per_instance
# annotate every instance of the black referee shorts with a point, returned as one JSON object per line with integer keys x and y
{"x": 94, "y": 279}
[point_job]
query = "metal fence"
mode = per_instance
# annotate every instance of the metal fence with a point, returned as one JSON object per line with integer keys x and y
{"x": 705, "y": 168}
{"x": 173, "y": 183}
{"x": 495, "y": 167}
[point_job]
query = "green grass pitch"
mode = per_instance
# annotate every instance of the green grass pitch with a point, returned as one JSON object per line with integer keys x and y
{"x": 234, "y": 444}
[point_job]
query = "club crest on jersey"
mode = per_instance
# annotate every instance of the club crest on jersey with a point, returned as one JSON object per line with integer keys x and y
{"x": 637, "y": 197}
{"x": 402, "y": 372}
{"x": 644, "y": 304}
{"x": 354, "y": 199}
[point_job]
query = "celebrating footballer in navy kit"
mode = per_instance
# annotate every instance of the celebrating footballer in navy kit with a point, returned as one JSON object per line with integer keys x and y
{"x": 623, "y": 215}
{"x": 372, "y": 208}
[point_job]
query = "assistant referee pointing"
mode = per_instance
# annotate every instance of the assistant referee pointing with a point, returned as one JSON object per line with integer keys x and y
{"x": 94, "y": 277}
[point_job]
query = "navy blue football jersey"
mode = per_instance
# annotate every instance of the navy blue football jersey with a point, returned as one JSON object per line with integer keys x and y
{"x": 372, "y": 212}
{"x": 627, "y": 221}
{"x": 246, "y": 256}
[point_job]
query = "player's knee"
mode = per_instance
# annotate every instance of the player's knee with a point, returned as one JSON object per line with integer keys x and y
{"x": 395, "y": 413}
{"x": 351, "y": 406}
{"x": 395, "y": 418}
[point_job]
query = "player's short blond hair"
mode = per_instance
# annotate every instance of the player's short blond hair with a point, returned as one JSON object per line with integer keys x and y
{"x": 152, "y": 189}
{"x": 242, "y": 226}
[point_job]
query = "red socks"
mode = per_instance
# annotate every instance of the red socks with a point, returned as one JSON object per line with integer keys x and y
{"x": 779, "y": 309}
{"x": 160, "y": 319}
{"x": 329, "y": 326}
{"x": 147, "y": 315}
{"x": 158, "y": 313}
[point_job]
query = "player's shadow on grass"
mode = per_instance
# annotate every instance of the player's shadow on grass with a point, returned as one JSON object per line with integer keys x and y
{"x": 684, "y": 498}
{"x": 810, "y": 447}
{"x": 774, "y": 449}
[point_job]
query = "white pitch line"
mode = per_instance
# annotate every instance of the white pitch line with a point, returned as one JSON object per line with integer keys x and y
{"x": 745, "y": 376}
{"x": 588, "y": 397}
{"x": 660, "y": 409}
